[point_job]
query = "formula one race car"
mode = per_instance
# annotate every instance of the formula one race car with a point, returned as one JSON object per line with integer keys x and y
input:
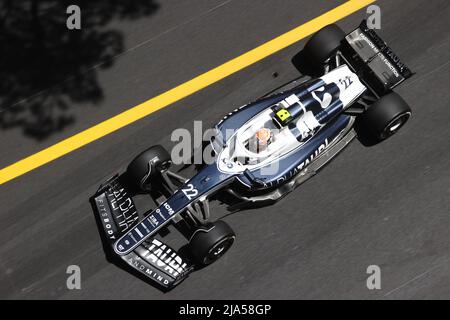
{"x": 263, "y": 150}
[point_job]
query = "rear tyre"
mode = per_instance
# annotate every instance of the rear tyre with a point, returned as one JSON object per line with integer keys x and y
{"x": 210, "y": 242}
{"x": 322, "y": 45}
{"x": 147, "y": 165}
{"x": 382, "y": 119}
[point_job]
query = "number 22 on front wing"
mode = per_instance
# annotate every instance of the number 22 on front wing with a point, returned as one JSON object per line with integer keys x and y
{"x": 190, "y": 192}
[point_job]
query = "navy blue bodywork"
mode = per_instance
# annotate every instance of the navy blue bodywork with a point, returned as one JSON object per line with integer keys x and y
{"x": 210, "y": 179}
{"x": 290, "y": 164}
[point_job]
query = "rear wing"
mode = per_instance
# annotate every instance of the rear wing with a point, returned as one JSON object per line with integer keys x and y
{"x": 153, "y": 259}
{"x": 373, "y": 60}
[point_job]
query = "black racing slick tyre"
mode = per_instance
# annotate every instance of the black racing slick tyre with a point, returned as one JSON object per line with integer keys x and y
{"x": 210, "y": 242}
{"x": 382, "y": 119}
{"x": 319, "y": 48}
{"x": 146, "y": 165}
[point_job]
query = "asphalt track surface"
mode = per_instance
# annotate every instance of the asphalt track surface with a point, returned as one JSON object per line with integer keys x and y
{"x": 387, "y": 205}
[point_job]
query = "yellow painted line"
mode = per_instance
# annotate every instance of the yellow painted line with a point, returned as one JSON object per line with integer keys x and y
{"x": 163, "y": 100}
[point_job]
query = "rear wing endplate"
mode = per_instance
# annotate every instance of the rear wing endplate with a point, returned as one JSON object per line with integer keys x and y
{"x": 381, "y": 67}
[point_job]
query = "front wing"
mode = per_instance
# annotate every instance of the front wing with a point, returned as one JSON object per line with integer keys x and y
{"x": 153, "y": 259}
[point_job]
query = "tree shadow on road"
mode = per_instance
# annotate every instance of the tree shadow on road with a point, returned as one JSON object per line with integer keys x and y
{"x": 45, "y": 68}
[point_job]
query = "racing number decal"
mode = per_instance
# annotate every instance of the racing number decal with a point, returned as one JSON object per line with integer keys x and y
{"x": 346, "y": 82}
{"x": 190, "y": 192}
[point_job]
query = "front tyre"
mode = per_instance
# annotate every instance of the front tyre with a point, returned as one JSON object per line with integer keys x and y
{"x": 210, "y": 242}
{"x": 147, "y": 165}
{"x": 382, "y": 119}
{"x": 322, "y": 45}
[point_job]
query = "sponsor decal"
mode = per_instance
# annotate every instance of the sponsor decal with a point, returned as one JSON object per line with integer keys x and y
{"x": 164, "y": 258}
{"x": 292, "y": 173}
{"x": 105, "y": 217}
{"x": 136, "y": 262}
{"x": 158, "y": 261}
{"x": 73, "y": 281}
{"x": 231, "y": 113}
{"x": 190, "y": 192}
{"x": 369, "y": 42}
{"x": 388, "y": 64}
{"x": 123, "y": 209}
{"x": 373, "y": 282}
{"x": 375, "y": 37}
{"x": 385, "y": 53}
{"x": 164, "y": 211}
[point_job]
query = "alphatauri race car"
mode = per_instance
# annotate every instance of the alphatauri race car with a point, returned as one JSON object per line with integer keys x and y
{"x": 262, "y": 151}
